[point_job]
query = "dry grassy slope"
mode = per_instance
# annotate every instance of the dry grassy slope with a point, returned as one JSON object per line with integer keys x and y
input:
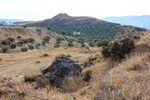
{"x": 32, "y": 32}
{"x": 128, "y": 80}
{"x": 6, "y": 31}
{"x": 127, "y": 30}
{"x": 24, "y": 63}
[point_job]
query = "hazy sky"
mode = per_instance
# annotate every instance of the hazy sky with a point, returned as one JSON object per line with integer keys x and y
{"x": 43, "y": 9}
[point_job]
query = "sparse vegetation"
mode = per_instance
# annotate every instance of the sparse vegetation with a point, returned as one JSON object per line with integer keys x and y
{"x": 118, "y": 49}
{"x": 24, "y": 49}
{"x": 104, "y": 42}
{"x": 45, "y": 55}
{"x": 6, "y": 42}
{"x": 20, "y": 43}
{"x": 31, "y": 47}
{"x": 31, "y": 40}
{"x": 19, "y": 37}
{"x": 5, "y": 49}
{"x": 11, "y": 39}
{"x": 91, "y": 44}
{"x": 56, "y": 45}
{"x": 70, "y": 44}
{"x": 82, "y": 45}
{"x": 46, "y": 39}
{"x": 13, "y": 46}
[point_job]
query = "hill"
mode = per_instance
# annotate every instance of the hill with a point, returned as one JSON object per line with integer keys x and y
{"x": 8, "y": 21}
{"x": 138, "y": 21}
{"x": 90, "y": 28}
{"x": 40, "y": 38}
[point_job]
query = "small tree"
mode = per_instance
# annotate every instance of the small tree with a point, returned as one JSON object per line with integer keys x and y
{"x": 5, "y": 49}
{"x": 70, "y": 44}
{"x": 12, "y": 46}
{"x": 20, "y": 43}
{"x": 91, "y": 44}
{"x": 11, "y": 39}
{"x": 31, "y": 47}
{"x": 24, "y": 49}
{"x": 102, "y": 43}
{"x": 82, "y": 45}
{"x": 25, "y": 41}
{"x": 43, "y": 42}
{"x": 31, "y": 40}
{"x": 63, "y": 32}
{"x": 56, "y": 45}
{"x": 19, "y": 37}
{"x": 6, "y": 42}
{"x": 24, "y": 26}
{"x": 48, "y": 28}
{"x": 46, "y": 38}
{"x": 117, "y": 50}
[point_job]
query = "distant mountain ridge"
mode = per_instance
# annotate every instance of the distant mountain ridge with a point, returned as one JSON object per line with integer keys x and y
{"x": 138, "y": 21}
{"x": 89, "y": 27}
{"x": 11, "y": 20}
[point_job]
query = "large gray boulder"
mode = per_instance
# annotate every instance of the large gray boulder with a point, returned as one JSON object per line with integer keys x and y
{"x": 61, "y": 68}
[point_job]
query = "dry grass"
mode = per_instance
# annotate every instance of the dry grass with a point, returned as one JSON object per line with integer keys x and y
{"x": 22, "y": 65}
{"x": 128, "y": 80}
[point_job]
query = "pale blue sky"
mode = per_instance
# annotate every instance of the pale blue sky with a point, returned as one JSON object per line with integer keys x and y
{"x": 43, "y": 9}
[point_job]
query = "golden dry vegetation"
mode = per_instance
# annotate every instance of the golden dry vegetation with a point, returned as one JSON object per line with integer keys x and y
{"x": 126, "y": 80}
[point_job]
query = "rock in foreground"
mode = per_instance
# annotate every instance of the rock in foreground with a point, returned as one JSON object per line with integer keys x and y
{"x": 61, "y": 68}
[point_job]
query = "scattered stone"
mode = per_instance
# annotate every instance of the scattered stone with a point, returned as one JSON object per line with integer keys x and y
{"x": 61, "y": 68}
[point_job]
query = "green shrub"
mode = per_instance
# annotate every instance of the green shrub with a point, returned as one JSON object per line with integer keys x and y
{"x": 31, "y": 47}
{"x": 117, "y": 50}
{"x": 20, "y": 43}
{"x": 56, "y": 45}
{"x": 43, "y": 42}
{"x": 11, "y": 39}
{"x": 65, "y": 37}
{"x": 91, "y": 44}
{"x": 82, "y": 45}
{"x": 70, "y": 44}
{"x": 46, "y": 38}
{"x": 24, "y": 49}
{"x": 24, "y": 26}
{"x": 5, "y": 49}
{"x": 48, "y": 28}
{"x": 31, "y": 40}
{"x": 70, "y": 40}
{"x": 80, "y": 41}
{"x": 6, "y": 42}
{"x": 38, "y": 44}
{"x": 25, "y": 41}
{"x": 63, "y": 32}
{"x": 58, "y": 40}
{"x": 12, "y": 46}
{"x": 19, "y": 37}
{"x": 45, "y": 55}
{"x": 136, "y": 37}
{"x": 104, "y": 42}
